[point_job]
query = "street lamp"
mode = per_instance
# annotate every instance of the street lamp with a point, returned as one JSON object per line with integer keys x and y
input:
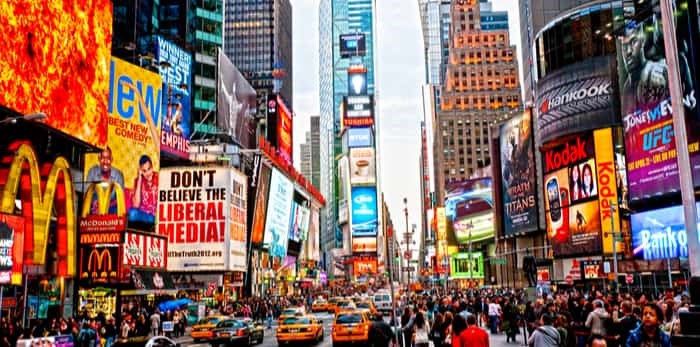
{"x": 34, "y": 116}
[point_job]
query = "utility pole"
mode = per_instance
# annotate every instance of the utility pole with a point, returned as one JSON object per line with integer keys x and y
{"x": 407, "y": 240}
{"x": 614, "y": 236}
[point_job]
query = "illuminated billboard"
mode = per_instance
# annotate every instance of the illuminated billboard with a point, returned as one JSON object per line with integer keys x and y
{"x": 284, "y": 130}
{"x": 362, "y": 167}
{"x": 660, "y": 234}
{"x": 11, "y": 249}
{"x": 278, "y": 214}
{"x": 352, "y": 45}
{"x": 364, "y": 266}
{"x": 177, "y": 81}
{"x": 358, "y": 111}
{"x": 465, "y": 265}
{"x": 260, "y": 212}
{"x": 469, "y": 206}
{"x": 364, "y": 244}
{"x": 363, "y": 209}
{"x": 359, "y": 137}
{"x": 54, "y": 59}
{"x": 357, "y": 82}
{"x": 235, "y": 98}
{"x": 518, "y": 175}
{"x": 132, "y": 157}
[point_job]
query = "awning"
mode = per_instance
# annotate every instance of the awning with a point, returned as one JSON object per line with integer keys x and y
{"x": 148, "y": 282}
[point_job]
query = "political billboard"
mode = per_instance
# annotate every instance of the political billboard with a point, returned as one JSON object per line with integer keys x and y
{"x": 469, "y": 208}
{"x": 238, "y": 220}
{"x": 192, "y": 214}
{"x": 278, "y": 214}
{"x": 132, "y": 156}
{"x": 54, "y": 59}
{"x": 235, "y": 100}
{"x": 177, "y": 103}
{"x": 518, "y": 175}
{"x": 660, "y": 234}
{"x": 363, "y": 207}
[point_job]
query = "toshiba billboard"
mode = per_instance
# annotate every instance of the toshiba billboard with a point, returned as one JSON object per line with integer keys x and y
{"x": 579, "y": 97}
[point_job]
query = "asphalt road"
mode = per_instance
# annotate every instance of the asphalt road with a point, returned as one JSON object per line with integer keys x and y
{"x": 327, "y": 318}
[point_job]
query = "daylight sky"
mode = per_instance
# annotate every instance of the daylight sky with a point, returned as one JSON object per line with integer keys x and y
{"x": 399, "y": 75}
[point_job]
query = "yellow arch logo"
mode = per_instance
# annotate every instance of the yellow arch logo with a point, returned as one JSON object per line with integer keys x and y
{"x": 104, "y": 192}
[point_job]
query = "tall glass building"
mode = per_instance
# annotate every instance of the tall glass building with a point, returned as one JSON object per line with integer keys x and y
{"x": 337, "y": 17}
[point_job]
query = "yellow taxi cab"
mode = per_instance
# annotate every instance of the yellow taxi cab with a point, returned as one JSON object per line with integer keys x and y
{"x": 300, "y": 328}
{"x": 350, "y": 327}
{"x": 366, "y": 306}
{"x": 203, "y": 330}
{"x": 333, "y": 303}
{"x": 344, "y": 305}
{"x": 319, "y": 305}
{"x": 291, "y": 312}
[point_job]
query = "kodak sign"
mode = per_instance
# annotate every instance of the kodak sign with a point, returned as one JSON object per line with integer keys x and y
{"x": 607, "y": 188}
{"x": 42, "y": 190}
{"x": 570, "y": 152}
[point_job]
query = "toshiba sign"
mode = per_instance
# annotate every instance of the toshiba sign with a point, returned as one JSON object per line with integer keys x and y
{"x": 578, "y": 97}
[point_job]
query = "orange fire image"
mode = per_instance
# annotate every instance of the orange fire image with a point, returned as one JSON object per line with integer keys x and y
{"x": 54, "y": 58}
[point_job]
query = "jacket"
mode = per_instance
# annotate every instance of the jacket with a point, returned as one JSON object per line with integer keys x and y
{"x": 474, "y": 336}
{"x": 544, "y": 336}
{"x": 637, "y": 336}
{"x": 596, "y": 321}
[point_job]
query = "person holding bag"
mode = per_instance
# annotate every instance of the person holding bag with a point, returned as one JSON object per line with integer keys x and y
{"x": 420, "y": 331}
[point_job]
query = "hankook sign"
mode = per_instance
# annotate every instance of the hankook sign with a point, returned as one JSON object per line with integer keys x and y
{"x": 577, "y": 98}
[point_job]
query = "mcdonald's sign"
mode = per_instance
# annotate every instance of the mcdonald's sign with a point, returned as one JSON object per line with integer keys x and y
{"x": 95, "y": 215}
{"x": 99, "y": 264}
{"x": 42, "y": 190}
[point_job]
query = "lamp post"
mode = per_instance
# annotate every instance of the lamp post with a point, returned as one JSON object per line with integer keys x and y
{"x": 407, "y": 241}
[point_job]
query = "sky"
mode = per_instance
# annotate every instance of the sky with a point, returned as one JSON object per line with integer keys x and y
{"x": 400, "y": 71}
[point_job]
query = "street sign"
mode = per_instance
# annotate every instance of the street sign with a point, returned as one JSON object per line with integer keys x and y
{"x": 629, "y": 278}
{"x": 407, "y": 254}
{"x": 498, "y": 261}
{"x": 408, "y": 268}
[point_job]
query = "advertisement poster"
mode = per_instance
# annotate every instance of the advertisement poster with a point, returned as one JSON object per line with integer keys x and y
{"x": 177, "y": 81}
{"x": 294, "y": 231}
{"x": 469, "y": 206}
{"x": 518, "y": 173}
{"x": 144, "y": 250}
{"x": 100, "y": 263}
{"x": 441, "y": 234}
{"x": 278, "y": 214}
{"x": 132, "y": 157}
{"x": 352, "y": 45}
{"x": 364, "y": 244}
{"x": 260, "y": 212}
{"x": 284, "y": 130}
{"x": 359, "y": 137}
{"x": 607, "y": 188}
{"x": 462, "y": 266}
{"x": 647, "y": 116}
{"x": 364, "y": 266}
{"x": 191, "y": 213}
{"x": 299, "y": 224}
{"x": 235, "y": 98}
{"x": 49, "y": 341}
{"x": 362, "y": 169}
{"x": 11, "y": 249}
{"x": 571, "y": 197}
{"x": 237, "y": 222}
{"x": 62, "y": 68}
{"x": 364, "y": 211}
{"x": 660, "y": 234}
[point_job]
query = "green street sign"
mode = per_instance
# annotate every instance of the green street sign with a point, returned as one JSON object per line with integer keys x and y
{"x": 498, "y": 261}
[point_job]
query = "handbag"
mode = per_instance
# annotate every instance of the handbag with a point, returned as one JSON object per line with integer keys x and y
{"x": 421, "y": 336}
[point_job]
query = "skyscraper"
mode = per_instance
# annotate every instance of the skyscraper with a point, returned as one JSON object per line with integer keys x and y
{"x": 310, "y": 159}
{"x": 258, "y": 40}
{"x": 305, "y": 164}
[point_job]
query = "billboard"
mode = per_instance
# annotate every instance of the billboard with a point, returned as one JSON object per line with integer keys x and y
{"x": 284, "y": 130}
{"x": 278, "y": 214}
{"x": 235, "y": 99}
{"x": 359, "y": 137}
{"x": 363, "y": 209}
{"x": 260, "y": 212}
{"x": 364, "y": 244}
{"x": 299, "y": 224}
{"x": 352, "y": 45}
{"x": 55, "y": 59}
{"x": 571, "y": 197}
{"x": 647, "y": 116}
{"x": 11, "y": 249}
{"x": 358, "y": 111}
{"x": 469, "y": 206}
{"x": 357, "y": 82}
{"x": 364, "y": 266}
{"x": 144, "y": 250}
{"x": 518, "y": 175}
{"x": 464, "y": 266}
{"x": 578, "y": 97}
{"x": 660, "y": 234}
{"x": 191, "y": 213}
{"x": 314, "y": 234}
{"x": 100, "y": 263}
{"x": 177, "y": 104}
{"x": 607, "y": 188}
{"x": 362, "y": 167}
{"x": 441, "y": 233}
{"x": 238, "y": 213}
{"x": 132, "y": 156}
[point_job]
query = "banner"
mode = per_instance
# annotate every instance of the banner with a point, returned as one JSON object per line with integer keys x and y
{"x": 660, "y": 234}
{"x": 364, "y": 245}
{"x": 191, "y": 214}
{"x": 607, "y": 189}
{"x": 177, "y": 81}
{"x": 132, "y": 157}
{"x": 469, "y": 206}
{"x": 11, "y": 249}
{"x": 441, "y": 247}
{"x": 144, "y": 250}
{"x": 54, "y": 59}
{"x": 464, "y": 265}
{"x": 237, "y": 222}
{"x": 100, "y": 263}
{"x": 260, "y": 213}
{"x": 49, "y": 341}
{"x": 518, "y": 175}
{"x": 364, "y": 211}
{"x": 235, "y": 98}
{"x": 278, "y": 214}
{"x": 362, "y": 168}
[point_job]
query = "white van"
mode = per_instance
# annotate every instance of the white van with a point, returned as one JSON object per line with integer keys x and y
{"x": 382, "y": 301}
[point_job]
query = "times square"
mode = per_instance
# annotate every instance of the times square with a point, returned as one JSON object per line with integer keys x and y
{"x": 164, "y": 180}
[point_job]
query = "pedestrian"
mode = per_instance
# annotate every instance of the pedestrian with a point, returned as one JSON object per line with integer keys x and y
{"x": 494, "y": 315}
{"x": 420, "y": 329}
{"x": 649, "y": 333}
{"x": 87, "y": 336}
{"x": 545, "y": 335}
{"x": 380, "y": 333}
{"x": 155, "y": 323}
{"x": 596, "y": 320}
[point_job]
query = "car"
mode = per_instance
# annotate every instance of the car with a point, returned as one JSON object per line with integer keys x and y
{"x": 319, "y": 305}
{"x": 344, "y": 305}
{"x": 257, "y": 331}
{"x": 382, "y": 301}
{"x": 291, "y": 312}
{"x": 233, "y": 332}
{"x": 350, "y": 327}
{"x": 203, "y": 330}
{"x": 143, "y": 341}
{"x": 300, "y": 329}
{"x": 333, "y": 303}
{"x": 366, "y": 306}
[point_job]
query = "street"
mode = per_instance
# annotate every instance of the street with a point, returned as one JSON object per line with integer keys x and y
{"x": 327, "y": 318}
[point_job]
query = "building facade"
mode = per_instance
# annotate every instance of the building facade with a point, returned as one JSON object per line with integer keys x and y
{"x": 315, "y": 151}
{"x": 258, "y": 40}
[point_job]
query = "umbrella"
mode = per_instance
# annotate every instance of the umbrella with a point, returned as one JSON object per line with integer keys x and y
{"x": 173, "y": 304}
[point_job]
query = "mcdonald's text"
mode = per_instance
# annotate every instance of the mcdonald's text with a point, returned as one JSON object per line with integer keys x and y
{"x": 95, "y": 238}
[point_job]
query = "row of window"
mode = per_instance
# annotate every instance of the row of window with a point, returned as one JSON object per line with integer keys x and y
{"x": 480, "y": 39}
{"x": 458, "y": 56}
